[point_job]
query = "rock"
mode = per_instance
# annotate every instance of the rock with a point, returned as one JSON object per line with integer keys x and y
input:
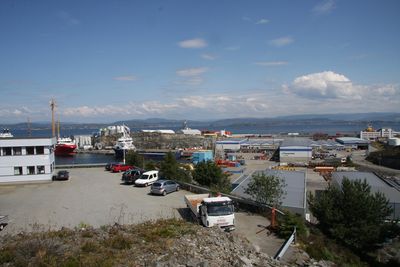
{"x": 244, "y": 261}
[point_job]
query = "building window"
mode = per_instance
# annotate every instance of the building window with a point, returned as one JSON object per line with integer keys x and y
{"x": 17, "y": 170}
{"x": 6, "y": 151}
{"x": 17, "y": 151}
{"x": 30, "y": 150}
{"x": 31, "y": 170}
{"x": 40, "y": 169}
{"x": 40, "y": 150}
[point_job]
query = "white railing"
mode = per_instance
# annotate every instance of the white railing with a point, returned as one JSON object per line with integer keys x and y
{"x": 285, "y": 245}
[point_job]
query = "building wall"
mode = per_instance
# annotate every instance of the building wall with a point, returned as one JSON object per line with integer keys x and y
{"x": 22, "y": 165}
{"x": 381, "y": 133}
{"x": 290, "y": 155}
{"x": 227, "y": 146}
{"x": 83, "y": 140}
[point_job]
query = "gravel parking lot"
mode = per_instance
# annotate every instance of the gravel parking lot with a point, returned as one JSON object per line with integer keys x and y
{"x": 91, "y": 196}
{"x": 96, "y": 197}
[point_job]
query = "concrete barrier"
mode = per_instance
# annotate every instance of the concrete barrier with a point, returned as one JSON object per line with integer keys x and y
{"x": 91, "y": 165}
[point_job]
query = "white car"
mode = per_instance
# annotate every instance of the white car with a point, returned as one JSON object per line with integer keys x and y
{"x": 147, "y": 178}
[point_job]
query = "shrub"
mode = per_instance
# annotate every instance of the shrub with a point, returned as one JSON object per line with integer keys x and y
{"x": 118, "y": 242}
{"x": 287, "y": 223}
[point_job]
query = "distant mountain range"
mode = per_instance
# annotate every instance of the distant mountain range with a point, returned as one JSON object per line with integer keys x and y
{"x": 307, "y": 119}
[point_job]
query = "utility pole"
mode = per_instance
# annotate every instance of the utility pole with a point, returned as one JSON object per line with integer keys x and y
{"x": 53, "y": 126}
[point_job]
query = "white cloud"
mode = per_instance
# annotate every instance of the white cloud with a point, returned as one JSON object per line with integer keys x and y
{"x": 208, "y": 57}
{"x": 191, "y": 76}
{"x": 271, "y": 63}
{"x": 125, "y": 78}
{"x": 193, "y": 43}
{"x": 233, "y": 48}
{"x": 68, "y": 19}
{"x": 281, "y": 41}
{"x": 191, "y": 72}
{"x": 329, "y": 85}
{"x": 262, "y": 21}
{"x": 325, "y": 84}
{"x": 324, "y": 7}
{"x": 130, "y": 109}
{"x": 155, "y": 107}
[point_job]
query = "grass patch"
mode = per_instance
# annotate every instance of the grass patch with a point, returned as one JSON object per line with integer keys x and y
{"x": 118, "y": 241}
{"x": 6, "y": 255}
{"x": 117, "y": 245}
{"x": 90, "y": 246}
{"x": 164, "y": 229}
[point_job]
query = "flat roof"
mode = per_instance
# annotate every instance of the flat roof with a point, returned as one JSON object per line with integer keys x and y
{"x": 376, "y": 183}
{"x": 295, "y": 187}
{"x": 32, "y": 141}
{"x": 295, "y": 148}
{"x": 230, "y": 142}
{"x": 351, "y": 140}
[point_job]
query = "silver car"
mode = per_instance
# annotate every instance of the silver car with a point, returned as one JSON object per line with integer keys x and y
{"x": 163, "y": 187}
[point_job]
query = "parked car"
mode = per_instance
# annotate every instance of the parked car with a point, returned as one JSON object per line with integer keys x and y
{"x": 163, "y": 187}
{"x": 62, "y": 175}
{"x": 130, "y": 176}
{"x": 147, "y": 178}
{"x": 121, "y": 167}
{"x": 109, "y": 165}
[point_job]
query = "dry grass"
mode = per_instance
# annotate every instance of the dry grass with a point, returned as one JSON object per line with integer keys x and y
{"x": 106, "y": 246}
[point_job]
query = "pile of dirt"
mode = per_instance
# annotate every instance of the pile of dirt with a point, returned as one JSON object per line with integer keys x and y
{"x": 160, "y": 243}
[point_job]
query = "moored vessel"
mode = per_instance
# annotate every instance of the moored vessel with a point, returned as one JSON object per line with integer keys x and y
{"x": 6, "y": 134}
{"x": 65, "y": 147}
{"x": 124, "y": 144}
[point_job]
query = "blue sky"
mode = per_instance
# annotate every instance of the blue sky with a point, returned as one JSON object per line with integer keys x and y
{"x": 112, "y": 60}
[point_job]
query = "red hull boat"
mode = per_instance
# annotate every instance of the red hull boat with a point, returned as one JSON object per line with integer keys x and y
{"x": 65, "y": 147}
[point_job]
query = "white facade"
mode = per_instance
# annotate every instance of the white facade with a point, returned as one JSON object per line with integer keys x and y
{"x": 114, "y": 129}
{"x": 292, "y": 154}
{"x": 228, "y": 145}
{"x": 83, "y": 140}
{"x": 381, "y": 133}
{"x": 26, "y": 160}
{"x": 189, "y": 131}
{"x": 159, "y": 131}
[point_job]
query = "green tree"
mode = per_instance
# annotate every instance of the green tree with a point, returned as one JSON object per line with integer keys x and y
{"x": 288, "y": 222}
{"x": 352, "y": 214}
{"x": 266, "y": 189}
{"x": 133, "y": 158}
{"x": 169, "y": 167}
{"x": 210, "y": 175}
{"x": 150, "y": 165}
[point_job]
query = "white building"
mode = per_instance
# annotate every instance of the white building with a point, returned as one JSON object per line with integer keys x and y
{"x": 293, "y": 154}
{"x": 370, "y": 134}
{"x": 83, "y": 141}
{"x": 228, "y": 145}
{"x": 161, "y": 131}
{"x": 26, "y": 159}
{"x": 189, "y": 131}
{"x": 114, "y": 129}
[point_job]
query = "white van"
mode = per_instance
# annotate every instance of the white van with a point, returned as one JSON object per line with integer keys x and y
{"x": 147, "y": 178}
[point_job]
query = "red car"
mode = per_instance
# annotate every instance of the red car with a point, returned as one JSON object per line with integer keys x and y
{"x": 121, "y": 167}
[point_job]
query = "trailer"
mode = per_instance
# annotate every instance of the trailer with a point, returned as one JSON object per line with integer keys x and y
{"x": 212, "y": 211}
